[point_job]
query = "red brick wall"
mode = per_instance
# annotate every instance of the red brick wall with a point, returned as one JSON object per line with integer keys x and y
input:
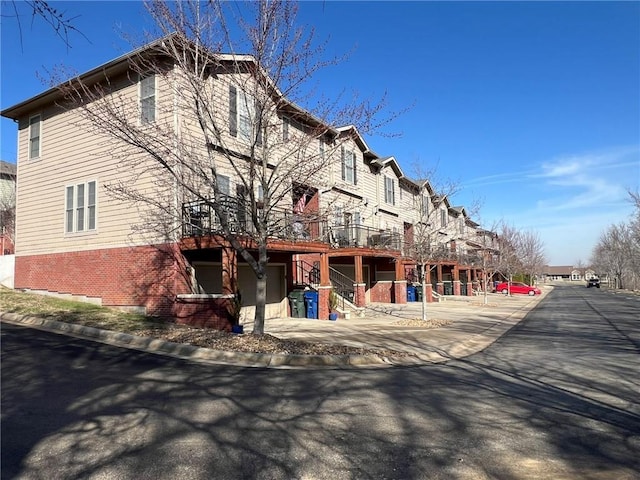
{"x": 205, "y": 313}
{"x": 381, "y": 292}
{"x": 400, "y": 292}
{"x": 147, "y": 276}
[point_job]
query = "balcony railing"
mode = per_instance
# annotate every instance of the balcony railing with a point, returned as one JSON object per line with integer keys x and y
{"x": 200, "y": 219}
{"x": 361, "y": 236}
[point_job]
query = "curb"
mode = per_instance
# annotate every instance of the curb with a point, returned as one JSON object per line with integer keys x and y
{"x": 456, "y": 350}
{"x": 197, "y": 354}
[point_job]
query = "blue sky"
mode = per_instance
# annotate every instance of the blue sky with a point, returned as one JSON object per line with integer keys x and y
{"x": 533, "y": 108}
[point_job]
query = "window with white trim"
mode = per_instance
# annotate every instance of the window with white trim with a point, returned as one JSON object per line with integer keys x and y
{"x": 148, "y": 99}
{"x": 425, "y": 206}
{"x": 80, "y": 207}
{"x": 224, "y": 184}
{"x": 389, "y": 191}
{"x": 243, "y": 116}
{"x": 349, "y": 166}
{"x": 34, "y": 136}
{"x": 443, "y": 218}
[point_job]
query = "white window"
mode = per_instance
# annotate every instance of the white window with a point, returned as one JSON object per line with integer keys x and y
{"x": 425, "y": 206}
{"x": 246, "y": 114}
{"x": 349, "y": 166}
{"x": 443, "y": 218}
{"x": 321, "y": 148}
{"x": 224, "y": 184}
{"x": 338, "y": 216}
{"x": 80, "y": 207}
{"x": 389, "y": 191}
{"x": 243, "y": 117}
{"x": 285, "y": 129}
{"x": 148, "y": 99}
{"x": 34, "y": 136}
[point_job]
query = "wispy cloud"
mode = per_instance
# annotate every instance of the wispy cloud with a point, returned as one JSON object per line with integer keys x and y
{"x": 589, "y": 179}
{"x": 572, "y": 199}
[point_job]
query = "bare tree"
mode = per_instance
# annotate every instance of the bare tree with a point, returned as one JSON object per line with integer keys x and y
{"x": 532, "y": 256}
{"x": 617, "y": 252}
{"x": 428, "y": 242}
{"x": 7, "y": 217}
{"x": 60, "y": 22}
{"x": 509, "y": 260}
{"x": 487, "y": 257}
{"x": 239, "y": 118}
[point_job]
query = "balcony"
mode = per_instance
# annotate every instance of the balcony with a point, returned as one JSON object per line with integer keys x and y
{"x": 360, "y": 236}
{"x": 199, "y": 219}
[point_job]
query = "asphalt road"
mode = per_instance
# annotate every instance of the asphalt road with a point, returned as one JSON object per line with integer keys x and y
{"x": 557, "y": 397}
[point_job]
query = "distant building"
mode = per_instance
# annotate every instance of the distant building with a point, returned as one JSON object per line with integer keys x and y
{"x": 7, "y": 206}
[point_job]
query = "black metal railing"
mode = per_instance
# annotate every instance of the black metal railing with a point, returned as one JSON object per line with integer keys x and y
{"x": 306, "y": 274}
{"x": 342, "y": 285}
{"x": 200, "y": 219}
{"x": 341, "y": 236}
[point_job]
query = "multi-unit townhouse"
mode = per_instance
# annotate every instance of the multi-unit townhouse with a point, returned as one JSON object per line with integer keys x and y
{"x": 346, "y": 225}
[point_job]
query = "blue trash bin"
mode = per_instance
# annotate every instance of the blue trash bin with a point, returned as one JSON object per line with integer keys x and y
{"x": 411, "y": 293}
{"x": 311, "y": 302}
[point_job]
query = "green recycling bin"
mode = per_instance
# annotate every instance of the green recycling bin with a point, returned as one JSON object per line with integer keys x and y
{"x": 448, "y": 288}
{"x": 296, "y": 300}
{"x": 418, "y": 293}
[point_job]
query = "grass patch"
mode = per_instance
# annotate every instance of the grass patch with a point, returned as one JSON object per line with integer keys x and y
{"x": 80, "y": 313}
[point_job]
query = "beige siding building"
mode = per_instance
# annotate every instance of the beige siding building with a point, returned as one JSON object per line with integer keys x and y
{"x": 106, "y": 217}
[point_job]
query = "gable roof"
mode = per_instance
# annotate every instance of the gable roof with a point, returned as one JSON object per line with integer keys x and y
{"x": 352, "y": 130}
{"x": 8, "y": 169}
{"x": 381, "y": 163}
{"x": 124, "y": 62}
{"x": 558, "y": 269}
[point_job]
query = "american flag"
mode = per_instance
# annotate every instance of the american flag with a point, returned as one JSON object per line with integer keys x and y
{"x": 299, "y": 208}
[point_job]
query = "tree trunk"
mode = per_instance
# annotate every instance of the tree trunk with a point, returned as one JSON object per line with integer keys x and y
{"x": 261, "y": 290}
{"x": 423, "y": 286}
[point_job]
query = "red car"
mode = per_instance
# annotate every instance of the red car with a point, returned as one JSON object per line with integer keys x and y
{"x": 517, "y": 287}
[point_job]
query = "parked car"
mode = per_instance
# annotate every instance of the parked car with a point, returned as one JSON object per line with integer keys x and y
{"x": 517, "y": 287}
{"x": 593, "y": 282}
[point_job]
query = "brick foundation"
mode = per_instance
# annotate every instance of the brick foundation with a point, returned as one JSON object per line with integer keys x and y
{"x": 428, "y": 292}
{"x": 400, "y": 291}
{"x": 146, "y": 276}
{"x": 470, "y": 289}
{"x": 203, "y": 313}
{"x": 381, "y": 292}
{"x": 359, "y": 295}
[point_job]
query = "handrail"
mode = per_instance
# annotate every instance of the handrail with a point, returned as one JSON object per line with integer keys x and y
{"x": 306, "y": 274}
{"x": 201, "y": 219}
{"x": 342, "y": 236}
{"x": 343, "y": 285}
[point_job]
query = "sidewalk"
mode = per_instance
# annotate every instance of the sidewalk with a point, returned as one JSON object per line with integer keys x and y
{"x": 474, "y": 326}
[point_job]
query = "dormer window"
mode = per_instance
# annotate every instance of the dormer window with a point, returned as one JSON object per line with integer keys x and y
{"x": 349, "y": 166}
{"x": 389, "y": 191}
